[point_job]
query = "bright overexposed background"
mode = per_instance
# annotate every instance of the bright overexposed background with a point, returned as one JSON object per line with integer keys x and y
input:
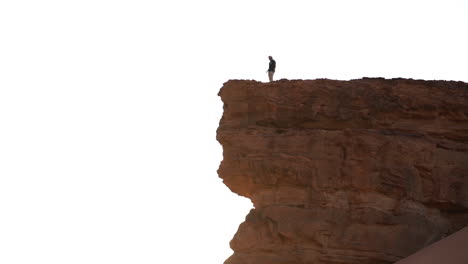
{"x": 109, "y": 110}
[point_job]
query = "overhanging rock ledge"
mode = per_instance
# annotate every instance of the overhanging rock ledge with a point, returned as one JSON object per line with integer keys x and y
{"x": 344, "y": 172}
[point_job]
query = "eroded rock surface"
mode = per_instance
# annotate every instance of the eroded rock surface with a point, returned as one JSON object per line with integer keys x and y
{"x": 344, "y": 172}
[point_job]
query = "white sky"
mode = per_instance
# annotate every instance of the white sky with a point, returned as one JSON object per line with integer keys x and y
{"x": 109, "y": 109}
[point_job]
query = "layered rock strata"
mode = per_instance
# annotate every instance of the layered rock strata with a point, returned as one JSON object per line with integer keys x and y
{"x": 344, "y": 172}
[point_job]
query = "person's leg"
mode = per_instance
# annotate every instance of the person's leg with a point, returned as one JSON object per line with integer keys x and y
{"x": 270, "y": 75}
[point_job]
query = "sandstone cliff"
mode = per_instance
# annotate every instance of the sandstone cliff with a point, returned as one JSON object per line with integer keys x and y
{"x": 344, "y": 172}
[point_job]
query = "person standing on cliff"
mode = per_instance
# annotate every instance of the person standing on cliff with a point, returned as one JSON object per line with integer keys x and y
{"x": 271, "y": 68}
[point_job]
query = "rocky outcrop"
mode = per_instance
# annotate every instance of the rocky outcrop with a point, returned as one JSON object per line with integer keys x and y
{"x": 344, "y": 172}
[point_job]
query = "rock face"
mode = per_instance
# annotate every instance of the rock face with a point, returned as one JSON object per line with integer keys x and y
{"x": 344, "y": 172}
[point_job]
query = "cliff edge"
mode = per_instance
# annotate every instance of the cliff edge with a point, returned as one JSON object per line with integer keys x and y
{"x": 344, "y": 172}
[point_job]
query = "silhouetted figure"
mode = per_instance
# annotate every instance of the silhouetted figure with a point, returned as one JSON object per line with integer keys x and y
{"x": 271, "y": 68}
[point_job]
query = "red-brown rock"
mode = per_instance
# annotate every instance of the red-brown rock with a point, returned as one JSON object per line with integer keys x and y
{"x": 344, "y": 172}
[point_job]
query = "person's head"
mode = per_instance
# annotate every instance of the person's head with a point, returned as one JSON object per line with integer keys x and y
{"x": 270, "y": 57}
